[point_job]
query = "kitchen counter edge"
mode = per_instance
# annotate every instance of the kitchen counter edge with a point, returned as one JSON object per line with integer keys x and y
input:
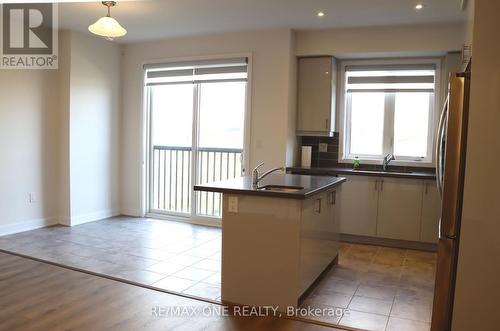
{"x": 363, "y": 172}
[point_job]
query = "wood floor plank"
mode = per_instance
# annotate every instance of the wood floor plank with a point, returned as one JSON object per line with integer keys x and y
{"x": 39, "y": 296}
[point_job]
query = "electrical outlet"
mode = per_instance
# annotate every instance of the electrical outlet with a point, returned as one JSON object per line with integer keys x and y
{"x": 32, "y": 197}
{"x": 323, "y": 147}
{"x": 233, "y": 204}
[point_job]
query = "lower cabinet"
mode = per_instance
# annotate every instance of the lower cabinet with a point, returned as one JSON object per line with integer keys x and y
{"x": 319, "y": 235}
{"x": 399, "y": 209}
{"x": 358, "y": 212}
{"x": 392, "y": 208}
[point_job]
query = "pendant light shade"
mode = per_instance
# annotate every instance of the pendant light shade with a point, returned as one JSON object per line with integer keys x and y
{"x": 107, "y": 26}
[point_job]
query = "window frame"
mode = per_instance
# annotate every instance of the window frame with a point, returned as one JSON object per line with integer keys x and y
{"x": 389, "y": 115}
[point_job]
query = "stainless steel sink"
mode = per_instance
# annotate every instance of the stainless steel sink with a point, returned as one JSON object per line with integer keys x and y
{"x": 281, "y": 188}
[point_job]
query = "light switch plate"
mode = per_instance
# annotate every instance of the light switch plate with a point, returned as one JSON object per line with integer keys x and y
{"x": 323, "y": 147}
{"x": 233, "y": 204}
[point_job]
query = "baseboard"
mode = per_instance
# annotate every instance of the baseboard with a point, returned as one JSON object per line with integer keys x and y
{"x": 92, "y": 217}
{"x": 389, "y": 242}
{"x": 7, "y": 229}
{"x": 131, "y": 212}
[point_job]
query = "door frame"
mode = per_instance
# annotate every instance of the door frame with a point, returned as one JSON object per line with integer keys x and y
{"x": 145, "y": 133}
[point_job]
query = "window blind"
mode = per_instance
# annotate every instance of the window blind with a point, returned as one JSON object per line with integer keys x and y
{"x": 391, "y": 78}
{"x": 191, "y": 72}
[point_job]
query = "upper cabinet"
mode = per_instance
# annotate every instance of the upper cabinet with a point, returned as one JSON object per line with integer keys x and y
{"x": 316, "y": 95}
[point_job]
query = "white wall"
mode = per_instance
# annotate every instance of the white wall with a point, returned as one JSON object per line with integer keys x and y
{"x": 271, "y": 101}
{"x": 94, "y": 144}
{"x": 28, "y": 145}
{"x": 478, "y": 278}
{"x": 57, "y": 123}
{"x": 409, "y": 39}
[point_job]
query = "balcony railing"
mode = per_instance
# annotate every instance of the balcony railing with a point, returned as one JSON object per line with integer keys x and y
{"x": 172, "y": 182}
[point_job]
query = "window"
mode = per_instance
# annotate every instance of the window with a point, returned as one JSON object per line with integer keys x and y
{"x": 389, "y": 108}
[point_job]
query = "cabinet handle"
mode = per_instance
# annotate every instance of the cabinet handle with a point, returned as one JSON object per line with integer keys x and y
{"x": 381, "y": 185}
{"x": 426, "y": 188}
{"x": 326, "y": 124}
{"x": 333, "y": 197}
{"x": 376, "y": 184}
{"x": 318, "y": 206}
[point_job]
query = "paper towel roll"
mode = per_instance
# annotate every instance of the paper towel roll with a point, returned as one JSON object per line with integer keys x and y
{"x": 306, "y": 156}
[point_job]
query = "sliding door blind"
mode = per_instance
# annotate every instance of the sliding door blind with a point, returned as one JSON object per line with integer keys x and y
{"x": 193, "y": 72}
{"x": 391, "y": 78}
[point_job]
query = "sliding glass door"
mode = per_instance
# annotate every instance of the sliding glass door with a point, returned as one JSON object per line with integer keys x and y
{"x": 221, "y": 139}
{"x": 171, "y": 124}
{"x": 197, "y": 135}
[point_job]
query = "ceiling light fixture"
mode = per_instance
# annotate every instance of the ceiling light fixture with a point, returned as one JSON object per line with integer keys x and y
{"x": 107, "y": 26}
{"x": 321, "y": 14}
{"x": 419, "y": 6}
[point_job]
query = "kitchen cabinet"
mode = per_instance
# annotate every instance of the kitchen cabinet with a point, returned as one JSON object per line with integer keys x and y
{"x": 316, "y": 95}
{"x": 431, "y": 212}
{"x": 399, "y": 209}
{"x": 390, "y": 208}
{"x": 319, "y": 236}
{"x": 358, "y": 208}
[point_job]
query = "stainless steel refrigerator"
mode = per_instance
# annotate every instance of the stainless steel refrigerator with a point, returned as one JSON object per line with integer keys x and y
{"x": 451, "y": 145}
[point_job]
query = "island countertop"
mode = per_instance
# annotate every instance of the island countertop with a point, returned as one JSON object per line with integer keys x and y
{"x": 311, "y": 185}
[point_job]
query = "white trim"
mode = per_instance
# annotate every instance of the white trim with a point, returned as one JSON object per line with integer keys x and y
{"x": 18, "y": 227}
{"x": 92, "y": 217}
{"x": 344, "y": 155}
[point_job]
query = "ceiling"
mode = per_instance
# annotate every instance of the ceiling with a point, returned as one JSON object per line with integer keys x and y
{"x": 155, "y": 19}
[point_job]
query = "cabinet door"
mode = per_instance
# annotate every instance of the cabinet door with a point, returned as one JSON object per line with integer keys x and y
{"x": 358, "y": 205}
{"x": 315, "y": 90}
{"x": 318, "y": 244}
{"x": 399, "y": 209}
{"x": 431, "y": 212}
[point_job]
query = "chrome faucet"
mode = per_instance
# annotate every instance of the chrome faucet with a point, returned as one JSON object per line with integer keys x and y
{"x": 256, "y": 178}
{"x": 387, "y": 159}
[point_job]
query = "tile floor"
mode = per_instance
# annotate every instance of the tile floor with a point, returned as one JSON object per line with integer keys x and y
{"x": 374, "y": 288}
{"x": 378, "y": 288}
{"x": 174, "y": 256}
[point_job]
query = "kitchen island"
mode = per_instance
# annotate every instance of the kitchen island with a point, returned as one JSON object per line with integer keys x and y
{"x": 277, "y": 238}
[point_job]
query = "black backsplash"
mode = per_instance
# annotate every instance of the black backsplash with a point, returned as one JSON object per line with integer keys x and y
{"x": 328, "y": 159}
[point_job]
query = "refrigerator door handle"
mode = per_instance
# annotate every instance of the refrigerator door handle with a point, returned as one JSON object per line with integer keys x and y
{"x": 442, "y": 235}
{"x": 438, "y": 148}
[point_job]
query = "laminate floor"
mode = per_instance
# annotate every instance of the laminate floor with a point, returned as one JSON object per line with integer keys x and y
{"x": 173, "y": 256}
{"x": 378, "y": 288}
{"x": 372, "y": 288}
{"x": 36, "y": 296}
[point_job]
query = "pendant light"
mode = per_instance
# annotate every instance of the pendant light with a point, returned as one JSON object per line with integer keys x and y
{"x": 107, "y": 26}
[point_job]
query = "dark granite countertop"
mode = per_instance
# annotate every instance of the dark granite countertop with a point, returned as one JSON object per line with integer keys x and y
{"x": 417, "y": 174}
{"x": 311, "y": 185}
